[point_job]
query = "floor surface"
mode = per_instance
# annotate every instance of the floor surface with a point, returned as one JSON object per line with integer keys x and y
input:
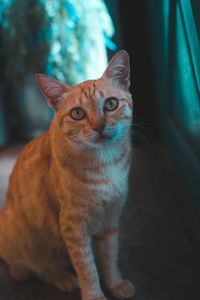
{"x": 159, "y": 240}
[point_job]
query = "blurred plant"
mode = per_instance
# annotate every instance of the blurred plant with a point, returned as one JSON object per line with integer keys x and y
{"x": 24, "y": 42}
{"x": 79, "y": 33}
{"x": 63, "y": 38}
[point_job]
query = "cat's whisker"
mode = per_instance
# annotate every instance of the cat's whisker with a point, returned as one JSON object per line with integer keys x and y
{"x": 140, "y": 126}
{"x": 140, "y": 136}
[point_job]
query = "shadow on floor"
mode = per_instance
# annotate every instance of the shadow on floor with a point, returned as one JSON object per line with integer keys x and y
{"x": 159, "y": 240}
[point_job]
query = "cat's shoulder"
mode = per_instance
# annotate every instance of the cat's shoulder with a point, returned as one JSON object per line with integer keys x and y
{"x": 38, "y": 147}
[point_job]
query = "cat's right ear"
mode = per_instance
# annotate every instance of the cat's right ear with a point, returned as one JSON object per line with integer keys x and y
{"x": 52, "y": 89}
{"x": 118, "y": 70}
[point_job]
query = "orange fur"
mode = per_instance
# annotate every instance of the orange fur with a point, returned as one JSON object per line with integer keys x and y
{"x": 63, "y": 193}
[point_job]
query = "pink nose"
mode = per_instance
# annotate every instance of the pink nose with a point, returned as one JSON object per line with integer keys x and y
{"x": 99, "y": 126}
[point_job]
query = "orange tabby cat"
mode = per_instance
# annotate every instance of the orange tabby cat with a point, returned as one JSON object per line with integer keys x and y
{"x": 69, "y": 185}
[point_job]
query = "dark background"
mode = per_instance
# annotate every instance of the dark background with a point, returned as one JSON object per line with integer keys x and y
{"x": 136, "y": 40}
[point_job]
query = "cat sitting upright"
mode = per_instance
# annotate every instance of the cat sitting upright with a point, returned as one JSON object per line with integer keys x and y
{"x": 69, "y": 185}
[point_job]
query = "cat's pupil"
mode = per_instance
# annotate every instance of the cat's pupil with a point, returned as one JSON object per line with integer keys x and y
{"x": 77, "y": 113}
{"x": 111, "y": 104}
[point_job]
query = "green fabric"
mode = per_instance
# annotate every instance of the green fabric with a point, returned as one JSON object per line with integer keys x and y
{"x": 175, "y": 43}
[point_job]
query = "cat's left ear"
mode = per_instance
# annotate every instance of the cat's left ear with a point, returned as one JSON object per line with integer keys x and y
{"x": 52, "y": 89}
{"x": 118, "y": 70}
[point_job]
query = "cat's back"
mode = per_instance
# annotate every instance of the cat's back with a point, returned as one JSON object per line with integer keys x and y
{"x": 37, "y": 151}
{"x": 30, "y": 168}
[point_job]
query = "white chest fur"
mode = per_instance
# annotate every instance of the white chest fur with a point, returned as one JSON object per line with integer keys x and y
{"x": 112, "y": 177}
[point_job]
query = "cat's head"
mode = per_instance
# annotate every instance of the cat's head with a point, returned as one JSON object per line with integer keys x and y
{"x": 94, "y": 113}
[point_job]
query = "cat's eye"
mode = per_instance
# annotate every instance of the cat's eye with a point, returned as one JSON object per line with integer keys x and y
{"x": 111, "y": 104}
{"x": 77, "y": 113}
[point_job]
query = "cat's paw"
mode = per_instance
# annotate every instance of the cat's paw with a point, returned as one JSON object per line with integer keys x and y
{"x": 123, "y": 290}
{"x": 66, "y": 282}
{"x": 20, "y": 273}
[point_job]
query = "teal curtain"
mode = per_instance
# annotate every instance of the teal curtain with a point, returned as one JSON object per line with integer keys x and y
{"x": 175, "y": 38}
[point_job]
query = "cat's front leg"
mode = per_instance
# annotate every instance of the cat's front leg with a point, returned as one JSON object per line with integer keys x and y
{"x": 79, "y": 246}
{"x": 107, "y": 246}
{"x": 81, "y": 254}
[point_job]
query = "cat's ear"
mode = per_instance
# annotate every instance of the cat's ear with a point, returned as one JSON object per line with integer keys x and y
{"x": 52, "y": 89}
{"x": 118, "y": 70}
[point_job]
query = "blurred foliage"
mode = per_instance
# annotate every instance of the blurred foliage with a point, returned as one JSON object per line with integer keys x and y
{"x": 65, "y": 39}
{"x": 78, "y": 36}
{"x": 24, "y": 43}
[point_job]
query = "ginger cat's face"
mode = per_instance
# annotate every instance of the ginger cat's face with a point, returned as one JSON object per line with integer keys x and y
{"x": 95, "y": 113}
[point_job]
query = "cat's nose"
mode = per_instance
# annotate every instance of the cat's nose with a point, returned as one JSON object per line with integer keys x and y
{"x": 99, "y": 126}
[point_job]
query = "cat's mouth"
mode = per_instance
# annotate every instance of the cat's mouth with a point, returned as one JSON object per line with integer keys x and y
{"x": 98, "y": 140}
{"x": 102, "y": 138}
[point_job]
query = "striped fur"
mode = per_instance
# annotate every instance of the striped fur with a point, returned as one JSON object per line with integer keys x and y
{"x": 68, "y": 188}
